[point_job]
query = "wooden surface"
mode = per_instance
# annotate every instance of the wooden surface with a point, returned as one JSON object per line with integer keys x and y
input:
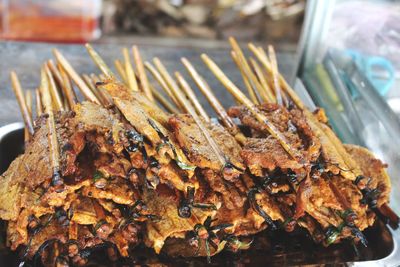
{"x": 26, "y": 59}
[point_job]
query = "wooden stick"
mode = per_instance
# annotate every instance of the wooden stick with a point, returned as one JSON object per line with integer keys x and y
{"x": 59, "y": 82}
{"x": 99, "y": 61}
{"x": 28, "y": 101}
{"x": 144, "y": 82}
{"x": 21, "y": 101}
{"x": 192, "y": 97}
{"x": 206, "y": 90}
{"x": 65, "y": 84}
{"x": 52, "y": 136}
{"x": 187, "y": 106}
{"x": 68, "y": 88}
{"x": 246, "y": 81}
{"x": 274, "y": 65}
{"x": 266, "y": 94}
{"x": 87, "y": 93}
{"x": 129, "y": 72}
{"x": 92, "y": 87}
{"x": 163, "y": 101}
{"x": 94, "y": 78}
{"x": 102, "y": 77}
{"x": 121, "y": 71}
{"x": 108, "y": 102}
{"x": 244, "y": 100}
{"x": 57, "y": 101}
{"x": 39, "y": 107}
{"x": 245, "y": 67}
{"x": 271, "y": 68}
{"x": 214, "y": 102}
{"x": 162, "y": 82}
{"x": 168, "y": 79}
{"x": 263, "y": 58}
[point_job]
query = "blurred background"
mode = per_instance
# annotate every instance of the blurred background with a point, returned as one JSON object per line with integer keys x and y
{"x": 272, "y": 21}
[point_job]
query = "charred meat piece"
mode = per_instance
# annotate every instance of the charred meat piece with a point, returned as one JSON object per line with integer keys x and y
{"x": 375, "y": 176}
{"x": 163, "y": 203}
{"x": 293, "y": 126}
{"x": 132, "y": 174}
{"x": 197, "y": 148}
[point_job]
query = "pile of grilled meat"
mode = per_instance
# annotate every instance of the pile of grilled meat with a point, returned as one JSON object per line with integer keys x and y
{"x": 132, "y": 174}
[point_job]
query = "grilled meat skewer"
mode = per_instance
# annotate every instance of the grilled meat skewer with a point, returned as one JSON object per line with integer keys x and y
{"x": 133, "y": 174}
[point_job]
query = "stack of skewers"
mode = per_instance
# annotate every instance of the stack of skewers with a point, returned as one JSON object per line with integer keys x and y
{"x": 130, "y": 165}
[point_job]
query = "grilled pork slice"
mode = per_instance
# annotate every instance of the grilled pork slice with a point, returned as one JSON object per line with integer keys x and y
{"x": 294, "y": 128}
{"x": 117, "y": 189}
{"x": 163, "y": 203}
{"x": 139, "y": 119}
{"x": 231, "y": 195}
{"x": 373, "y": 170}
{"x": 92, "y": 118}
{"x": 28, "y": 171}
{"x": 350, "y": 198}
{"x": 122, "y": 92}
{"x": 197, "y": 148}
{"x": 150, "y": 124}
{"x": 262, "y": 154}
{"x": 163, "y": 147}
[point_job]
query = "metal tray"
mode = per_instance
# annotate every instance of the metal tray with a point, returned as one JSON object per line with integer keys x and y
{"x": 269, "y": 248}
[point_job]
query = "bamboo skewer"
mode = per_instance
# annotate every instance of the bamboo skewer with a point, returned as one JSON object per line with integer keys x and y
{"x": 263, "y": 58}
{"x": 274, "y": 67}
{"x": 144, "y": 82}
{"x": 39, "y": 107}
{"x": 107, "y": 73}
{"x": 99, "y": 62}
{"x": 266, "y": 94}
{"x": 129, "y": 72}
{"x": 206, "y": 90}
{"x": 102, "y": 77}
{"x": 75, "y": 77}
{"x": 121, "y": 71}
{"x": 244, "y": 100}
{"x": 246, "y": 81}
{"x": 192, "y": 97}
{"x": 68, "y": 89}
{"x": 168, "y": 80}
{"x": 59, "y": 82}
{"x": 157, "y": 76}
{"x": 64, "y": 83}
{"x": 94, "y": 78}
{"x": 52, "y": 136}
{"x": 245, "y": 68}
{"x": 21, "y": 101}
{"x": 55, "y": 95}
{"x": 28, "y": 101}
{"x": 92, "y": 86}
{"x": 107, "y": 99}
{"x": 155, "y": 94}
{"x": 184, "y": 102}
{"x": 163, "y": 101}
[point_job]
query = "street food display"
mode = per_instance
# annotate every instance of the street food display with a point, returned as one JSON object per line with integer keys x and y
{"x": 131, "y": 165}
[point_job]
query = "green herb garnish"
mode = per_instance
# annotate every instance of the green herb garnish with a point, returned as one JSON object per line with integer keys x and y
{"x": 97, "y": 175}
